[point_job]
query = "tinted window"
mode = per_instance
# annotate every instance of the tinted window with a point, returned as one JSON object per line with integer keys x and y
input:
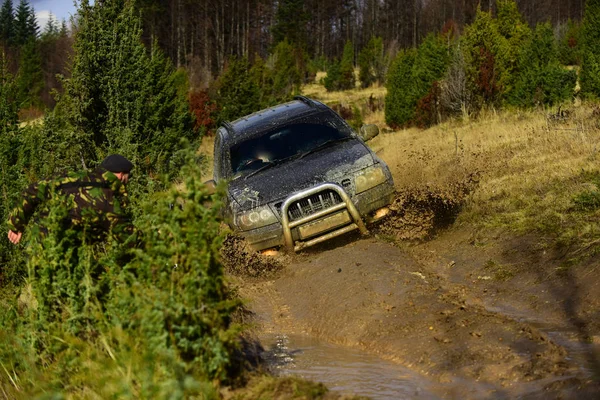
{"x": 282, "y": 143}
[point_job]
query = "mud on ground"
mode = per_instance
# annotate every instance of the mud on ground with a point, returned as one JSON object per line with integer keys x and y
{"x": 482, "y": 315}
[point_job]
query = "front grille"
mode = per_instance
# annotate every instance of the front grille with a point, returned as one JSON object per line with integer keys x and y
{"x": 311, "y": 204}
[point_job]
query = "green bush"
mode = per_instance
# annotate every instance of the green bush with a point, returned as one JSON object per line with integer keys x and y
{"x": 569, "y": 43}
{"x": 150, "y": 322}
{"x": 372, "y": 63}
{"x": 340, "y": 75}
{"x": 411, "y": 78}
{"x": 542, "y": 80}
{"x": 238, "y": 93}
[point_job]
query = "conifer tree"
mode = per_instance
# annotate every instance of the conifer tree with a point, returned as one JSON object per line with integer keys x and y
{"x": 411, "y": 78}
{"x": 482, "y": 45}
{"x": 290, "y": 23}
{"x": 514, "y": 35}
{"x": 286, "y": 74}
{"x": 371, "y": 62}
{"x": 347, "y": 79}
{"x": 25, "y": 26}
{"x": 542, "y": 80}
{"x": 30, "y": 77}
{"x": 399, "y": 101}
{"x": 121, "y": 98}
{"x": 569, "y": 43}
{"x": 7, "y": 18}
{"x": 590, "y": 35}
{"x": 238, "y": 93}
{"x": 333, "y": 77}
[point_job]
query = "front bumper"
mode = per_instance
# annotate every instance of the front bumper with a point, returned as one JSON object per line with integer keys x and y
{"x": 347, "y": 216}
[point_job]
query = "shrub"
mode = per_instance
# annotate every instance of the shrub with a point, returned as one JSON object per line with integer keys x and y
{"x": 411, "y": 77}
{"x": 151, "y": 322}
{"x": 542, "y": 80}
{"x": 481, "y": 43}
{"x": 237, "y": 92}
{"x": 121, "y": 98}
{"x": 399, "y": 101}
{"x": 371, "y": 62}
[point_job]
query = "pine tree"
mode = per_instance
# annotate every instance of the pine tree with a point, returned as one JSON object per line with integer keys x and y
{"x": 542, "y": 79}
{"x": 482, "y": 45}
{"x": 371, "y": 62}
{"x": 514, "y": 35}
{"x": 30, "y": 77}
{"x": 333, "y": 77}
{"x": 25, "y": 26}
{"x": 347, "y": 80}
{"x": 121, "y": 98}
{"x": 7, "y": 28}
{"x": 399, "y": 101}
{"x": 590, "y": 35}
{"x": 286, "y": 74}
{"x": 290, "y": 23}
{"x": 238, "y": 94}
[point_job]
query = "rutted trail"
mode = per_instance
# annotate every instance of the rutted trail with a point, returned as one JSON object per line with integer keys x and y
{"x": 370, "y": 294}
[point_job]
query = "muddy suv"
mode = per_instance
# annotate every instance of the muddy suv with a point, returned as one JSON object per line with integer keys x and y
{"x": 297, "y": 175}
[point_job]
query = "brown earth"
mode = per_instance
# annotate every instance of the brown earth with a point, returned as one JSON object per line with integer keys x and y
{"x": 482, "y": 316}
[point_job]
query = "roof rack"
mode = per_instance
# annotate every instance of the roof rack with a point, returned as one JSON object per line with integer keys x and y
{"x": 307, "y": 101}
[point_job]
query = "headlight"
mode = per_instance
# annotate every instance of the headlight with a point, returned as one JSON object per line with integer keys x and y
{"x": 369, "y": 177}
{"x": 255, "y": 218}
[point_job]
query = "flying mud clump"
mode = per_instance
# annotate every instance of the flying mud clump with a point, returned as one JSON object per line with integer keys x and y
{"x": 240, "y": 260}
{"x": 417, "y": 212}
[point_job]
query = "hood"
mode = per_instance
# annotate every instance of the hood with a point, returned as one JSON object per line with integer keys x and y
{"x": 331, "y": 164}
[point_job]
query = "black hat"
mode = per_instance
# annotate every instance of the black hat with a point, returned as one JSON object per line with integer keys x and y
{"x": 116, "y": 163}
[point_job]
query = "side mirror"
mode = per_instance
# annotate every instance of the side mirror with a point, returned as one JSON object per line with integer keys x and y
{"x": 369, "y": 131}
{"x": 211, "y": 186}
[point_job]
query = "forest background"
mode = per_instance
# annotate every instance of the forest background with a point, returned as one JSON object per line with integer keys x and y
{"x": 148, "y": 79}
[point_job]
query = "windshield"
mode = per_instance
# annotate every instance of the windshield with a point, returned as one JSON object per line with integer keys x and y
{"x": 282, "y": 143}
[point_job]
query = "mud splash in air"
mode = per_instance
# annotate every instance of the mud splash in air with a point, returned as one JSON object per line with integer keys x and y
{"x": 418, "y": 211}
{"x": 240, "y": 260}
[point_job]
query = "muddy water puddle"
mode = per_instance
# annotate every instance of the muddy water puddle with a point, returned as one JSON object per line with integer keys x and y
{"x": 342, "y": 369}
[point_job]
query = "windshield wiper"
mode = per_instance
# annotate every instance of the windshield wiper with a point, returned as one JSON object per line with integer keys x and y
{"x": 324, "y": 144}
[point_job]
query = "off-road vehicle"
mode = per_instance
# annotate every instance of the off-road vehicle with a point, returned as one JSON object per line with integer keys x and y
{"x": 297, "y": 174}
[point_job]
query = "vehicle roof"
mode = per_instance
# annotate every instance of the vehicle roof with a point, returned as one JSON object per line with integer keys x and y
{"x": 272, "y": 117}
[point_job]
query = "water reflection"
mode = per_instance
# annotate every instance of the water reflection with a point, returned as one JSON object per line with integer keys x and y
{"x": 343, "y": 369}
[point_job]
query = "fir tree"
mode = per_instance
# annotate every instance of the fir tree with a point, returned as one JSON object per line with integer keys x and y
{"x": 412, "y": 77}
{"x": 333, "y": 77}
{"x": 7, "y": 22}
{"x": 347, "y": 80}
{"x": 482, "y": 45}
{"x": 399, "y": 101}
{"x": 25, "y": 27}
{"x": 286, "y": 74}
{"x": 371, "y": 62}
{"x": 542, "y": 80}
{"x": 514, "y": 35}
{"x": 290, "y": 23}
{"x": 569, "y": 43}
{"x": 120, "y": 98}
{"x": 590, "y": 67}
{"x": 238, "y": 94}
{"x": 30, "y": 78}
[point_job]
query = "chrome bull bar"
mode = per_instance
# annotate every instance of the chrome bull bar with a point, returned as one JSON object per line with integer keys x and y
{"x": 345, "y": 204}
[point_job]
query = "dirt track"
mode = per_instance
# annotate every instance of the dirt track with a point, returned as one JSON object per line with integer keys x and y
{"x": 449, "y": 308}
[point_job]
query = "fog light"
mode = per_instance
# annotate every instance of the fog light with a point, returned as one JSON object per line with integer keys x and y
{"x": 269, "y": 252}
{"x": 382, "y": 212}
